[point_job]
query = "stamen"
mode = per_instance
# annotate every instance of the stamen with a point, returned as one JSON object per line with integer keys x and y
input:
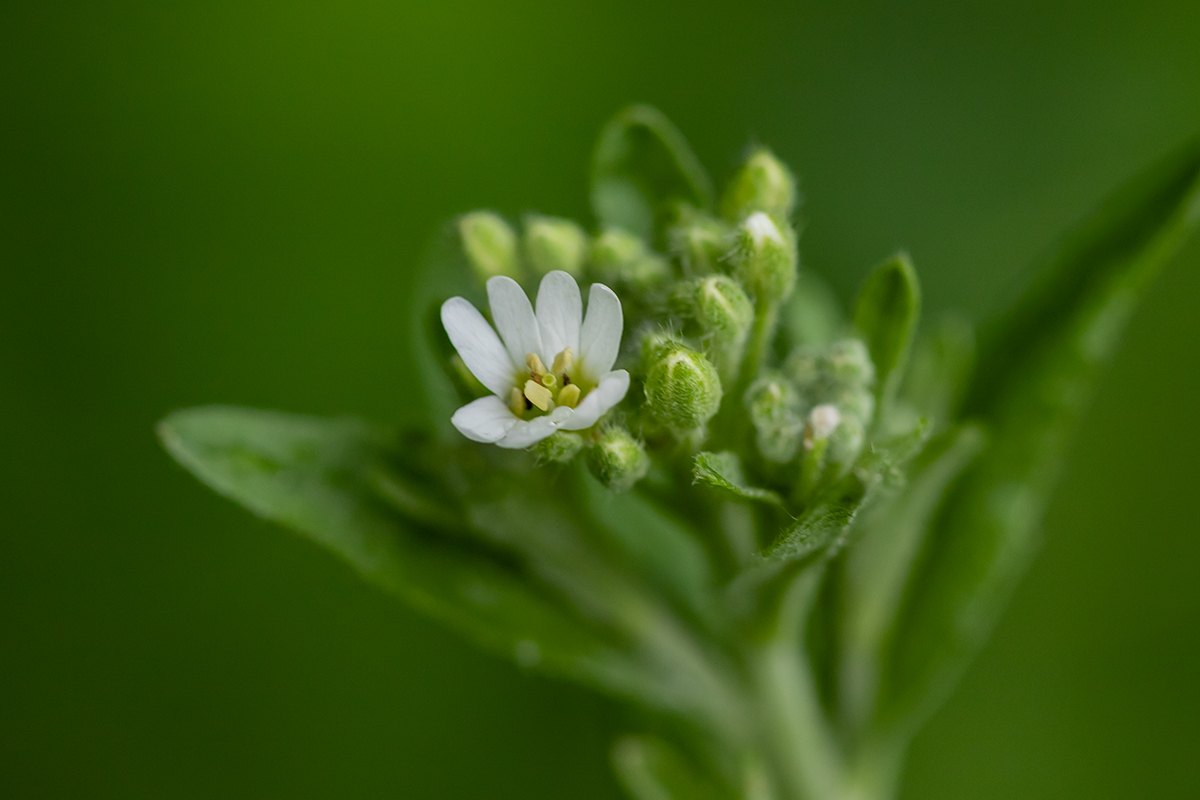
{"x": 538, "y": 395}
{"x": 562, "y": 361}
{"x": 569, "y": 396}
{"x": 535, "y": 365}
{"x": 516, "y": 402}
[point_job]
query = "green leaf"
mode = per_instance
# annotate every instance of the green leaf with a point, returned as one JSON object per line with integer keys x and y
{"x": 443, "y": 273}
{"x": 650, "y": 769}
{"x": 886, "y": 313}
{"x": 723, "y": 471}
{"x": 641, "y": 170}
{"x": 656, "y": 545}
{"x": 318, "y": 477}
{"x": 937, "y": 376}
{"x": 888, "y": 535}
{"x": 1034, "y": 377}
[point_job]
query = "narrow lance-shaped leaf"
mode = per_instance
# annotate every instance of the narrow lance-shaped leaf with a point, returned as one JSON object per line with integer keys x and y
{"x": 723, "y": 471}
{"x": 641, "y": 168}
{"x": 317, "y": 477}
{"x": 1031, "y": 384}
{"x": 886, "y": 314}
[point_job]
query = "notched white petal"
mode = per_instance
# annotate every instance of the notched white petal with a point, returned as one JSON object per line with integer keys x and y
{"x": 600, "y": 337}
{"x": 485, "y": 420}
{"x": 525, "y": 433}
{"x": 612, "y": 390}
{"x": 559, "y": 312}
{"x": 514, "y": 318}
{"x": 478, "y": 345}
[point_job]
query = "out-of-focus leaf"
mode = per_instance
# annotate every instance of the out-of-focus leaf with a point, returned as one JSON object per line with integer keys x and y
{"x": 641, "y": 170}
{"x": 1032, "y": 381}
{"x": 937, "y": 375}
{"x": 888, "y": 535}
{"x": 317, "y": 477}
{"x": 811, "y": 317}
{"x": 650, "y": 769}
{"x": 723, "y": 471}
{"x": 886, "y": 314}
{"x": 443, "y": 273}
{"x": 656, "y": 545}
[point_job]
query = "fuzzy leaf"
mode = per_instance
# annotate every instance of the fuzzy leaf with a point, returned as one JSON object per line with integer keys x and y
{"x": 318, "y": 477}
{"x": 1034, "y": 376}
{"x": 642, "y": 168}
{"x": 723, "y": 471}
{"x": 886, "y": 313}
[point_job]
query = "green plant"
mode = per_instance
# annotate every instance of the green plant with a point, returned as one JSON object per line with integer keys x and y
{"x": 779, "y": 532}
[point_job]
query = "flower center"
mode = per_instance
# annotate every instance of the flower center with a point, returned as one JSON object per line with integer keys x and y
{"x": 540, "y": 390}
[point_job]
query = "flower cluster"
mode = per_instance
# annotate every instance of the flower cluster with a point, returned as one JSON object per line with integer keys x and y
{"x": 719, "y": 357}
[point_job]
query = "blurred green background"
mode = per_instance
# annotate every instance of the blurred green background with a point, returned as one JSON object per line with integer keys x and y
{"x": 223, "y": 202}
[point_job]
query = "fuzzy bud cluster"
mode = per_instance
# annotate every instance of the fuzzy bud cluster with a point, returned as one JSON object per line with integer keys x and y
{"x": 703, "y": 290}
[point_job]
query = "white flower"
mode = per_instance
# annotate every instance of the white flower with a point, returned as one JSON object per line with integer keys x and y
{"x": 530, "y": 401}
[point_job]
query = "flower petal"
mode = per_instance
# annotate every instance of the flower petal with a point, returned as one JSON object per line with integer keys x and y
{"x": 611, "y": 391}
{"x": 559, "y": 313}
{"x": 526, "y": 433}
{"x": 484, "y": 420}
{"x": 478, "y": 345}
{"x": 514, "y": 318}
{"x": 600, "y": 338}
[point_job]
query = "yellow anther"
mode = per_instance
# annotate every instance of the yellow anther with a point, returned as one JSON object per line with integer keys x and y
{"x": 538, "y": 395}
{"x": 569, "y": 396}
{"x": 562, "y": 361}
{"x": 535, "y": 365}
{"x": 516, "y": 402}
{"x": 548, "y": 380}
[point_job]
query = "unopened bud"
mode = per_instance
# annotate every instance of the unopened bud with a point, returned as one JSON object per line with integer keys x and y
{"x": 622, "y": 259}
{"x": 618, "y": 460}
{"x": 849, "y": 364}
{"x": 554, "y": 243}
{"x": 699, "y": 241}
{"x": 822, "y": 421}
{"x": 559, "y": 448}
{"x": 683, "y": 389}
{"x": 722, "y": 314}
{"x": 490, "y": 245}
{"x": 765, "y": 259}
{"x": 846, "y": 441}
{"x": 763, "y": 184}
{"x": 776, "y": 410}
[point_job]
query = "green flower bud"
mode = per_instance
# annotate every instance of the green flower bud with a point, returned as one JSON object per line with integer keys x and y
{"x": 490, "y": 245}
{"x": 622, "y": 259}
{"x": 823, "y": 422}
{"x": 554, "y": 243}
{"x": 699, "y": 242}
{"x": 560, "y": 447}
{"x": 683, "y": 390}
{"x": 849, "y": 364}
{"x": 618, "y": 460}
{"x": 765, "y": 259}
{"x": 722, "y": 313}
{"x": 777, "y": 412}
{"x": 763, "y": 184}
{"x": 856, "y": 402}
{"x": 846, "y": 441}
